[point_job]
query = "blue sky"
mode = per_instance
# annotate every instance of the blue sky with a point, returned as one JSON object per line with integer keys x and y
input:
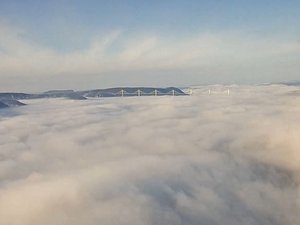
{"x": 131, "y": 42}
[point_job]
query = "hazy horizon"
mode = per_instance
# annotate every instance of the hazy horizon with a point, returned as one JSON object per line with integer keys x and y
{"x": 183, "y": 87}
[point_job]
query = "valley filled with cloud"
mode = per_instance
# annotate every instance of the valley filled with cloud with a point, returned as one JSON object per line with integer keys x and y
{"x": 201, "y": 159}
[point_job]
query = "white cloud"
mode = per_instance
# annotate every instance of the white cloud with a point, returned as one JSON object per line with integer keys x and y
{"x": 224, "y": 55}
{"x": 198, "y": 159}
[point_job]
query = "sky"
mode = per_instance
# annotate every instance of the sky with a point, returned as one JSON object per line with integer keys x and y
{"x": 90, "y": 44}
{"x": 186, "y": 160}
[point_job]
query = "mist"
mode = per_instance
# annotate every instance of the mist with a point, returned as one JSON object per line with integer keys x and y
{"x": 201, "y": 159}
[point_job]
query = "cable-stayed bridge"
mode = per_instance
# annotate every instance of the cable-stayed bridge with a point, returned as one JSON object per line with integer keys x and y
{"x": 133, "y": 91}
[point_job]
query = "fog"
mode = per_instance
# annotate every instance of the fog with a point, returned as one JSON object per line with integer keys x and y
{"x": 201, "y": 159}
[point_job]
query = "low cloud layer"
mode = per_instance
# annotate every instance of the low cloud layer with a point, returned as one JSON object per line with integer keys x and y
{"x": 201, "y": 159}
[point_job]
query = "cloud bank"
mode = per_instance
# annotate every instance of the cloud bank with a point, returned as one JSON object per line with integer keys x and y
{"x": 198, "y": 159}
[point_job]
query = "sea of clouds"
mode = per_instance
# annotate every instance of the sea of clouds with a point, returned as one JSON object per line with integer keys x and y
{"x": 201, "y": 159}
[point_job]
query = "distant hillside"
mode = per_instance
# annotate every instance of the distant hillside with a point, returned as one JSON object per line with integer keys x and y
{"x": 48, "y": 94}
{"x": 12, "y": 102}
{"x": 70, "y": 94}
{"x": 108, "y": 92}
{"x": 14, "y": 95}
{"x": 3, "y": 105}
